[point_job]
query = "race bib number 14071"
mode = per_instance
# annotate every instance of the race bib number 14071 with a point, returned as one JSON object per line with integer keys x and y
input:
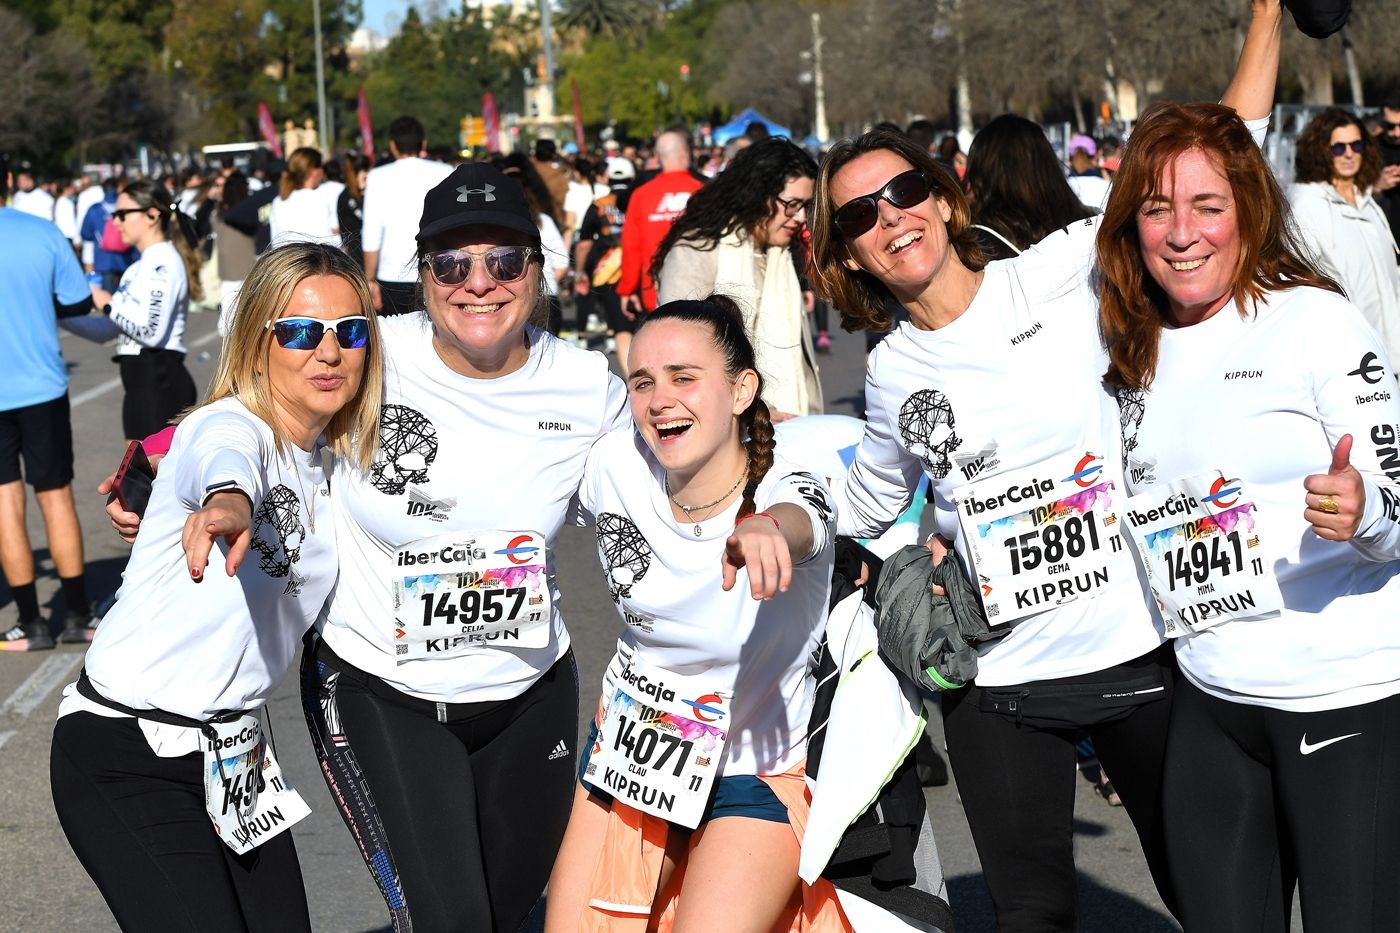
{"x": 1043, "y": 536}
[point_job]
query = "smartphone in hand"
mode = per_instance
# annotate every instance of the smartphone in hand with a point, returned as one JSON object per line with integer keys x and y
{"x": 134, "y": 479}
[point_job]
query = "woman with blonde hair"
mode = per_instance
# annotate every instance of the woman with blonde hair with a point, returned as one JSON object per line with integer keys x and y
{"x": 163, "y": 777}
{"x": 299, "y": 212}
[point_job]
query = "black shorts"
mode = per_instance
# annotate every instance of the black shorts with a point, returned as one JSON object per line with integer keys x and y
{"x": 607, "y": 298}
{"x": 158, "y": 387}
{"x": 43, "y": 435}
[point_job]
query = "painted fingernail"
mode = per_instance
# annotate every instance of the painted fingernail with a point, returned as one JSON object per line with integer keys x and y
{"x": 196, "y": 572}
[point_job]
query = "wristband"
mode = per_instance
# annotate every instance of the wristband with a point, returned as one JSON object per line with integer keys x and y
{"x": 766, "y": 515}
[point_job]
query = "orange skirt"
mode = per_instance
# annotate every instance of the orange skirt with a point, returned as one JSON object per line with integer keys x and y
{"x": 622, "y": 895}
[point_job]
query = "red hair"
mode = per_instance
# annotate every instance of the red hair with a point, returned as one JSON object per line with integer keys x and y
{"x": 1132, "y": 306}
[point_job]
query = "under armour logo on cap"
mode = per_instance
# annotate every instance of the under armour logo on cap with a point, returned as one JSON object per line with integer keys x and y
{"x": 464, "y": 193}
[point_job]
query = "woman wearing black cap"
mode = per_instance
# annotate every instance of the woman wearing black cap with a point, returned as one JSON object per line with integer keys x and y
{"x": 441, "y": 692}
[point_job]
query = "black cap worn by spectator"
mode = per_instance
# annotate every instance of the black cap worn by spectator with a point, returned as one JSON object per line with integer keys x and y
{"x": 1319, "y": 18}
{"x": 476, "y": 194}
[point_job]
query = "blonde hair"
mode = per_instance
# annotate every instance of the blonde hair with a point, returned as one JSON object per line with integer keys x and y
{"x": 353, "y": 432}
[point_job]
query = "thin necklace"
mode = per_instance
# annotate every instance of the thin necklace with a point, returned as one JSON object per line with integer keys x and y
{"x": 310, "y": 504}
{"x": 687, "y": 509}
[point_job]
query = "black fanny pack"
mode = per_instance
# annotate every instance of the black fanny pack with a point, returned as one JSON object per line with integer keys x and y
{"x": 1087, "y": 699}
{"x": 86, "y": 688}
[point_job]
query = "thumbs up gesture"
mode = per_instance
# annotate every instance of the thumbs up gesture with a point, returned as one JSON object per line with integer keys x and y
{"x": 1337, "y": 498}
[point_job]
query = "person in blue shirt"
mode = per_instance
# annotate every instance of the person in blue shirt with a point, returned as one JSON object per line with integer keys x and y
{"x": 40, "y": 281}
{"x": 97, "y": 257}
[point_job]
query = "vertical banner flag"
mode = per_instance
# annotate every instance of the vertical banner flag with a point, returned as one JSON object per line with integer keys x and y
{"x": 578, "y": 115}
{"x": 268, "y": 129}
{"x": 366, "y": 131}
{"x": 492, "y": 122}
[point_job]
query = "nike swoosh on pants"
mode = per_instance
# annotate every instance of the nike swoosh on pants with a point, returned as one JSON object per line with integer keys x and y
{"x": 1307, "y": 749}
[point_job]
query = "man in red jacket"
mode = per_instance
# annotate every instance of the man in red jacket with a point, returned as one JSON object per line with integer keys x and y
{"x": 651, "y": 210}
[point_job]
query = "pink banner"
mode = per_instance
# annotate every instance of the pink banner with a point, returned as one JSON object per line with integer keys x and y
{"x": 268, "y": 129}
{"x": 366, "y": 130}
{"x": 578, "y": 115}
{"x": 492, "y": 121}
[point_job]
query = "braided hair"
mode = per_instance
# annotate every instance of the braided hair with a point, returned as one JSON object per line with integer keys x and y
{"x": 725, "y": 322}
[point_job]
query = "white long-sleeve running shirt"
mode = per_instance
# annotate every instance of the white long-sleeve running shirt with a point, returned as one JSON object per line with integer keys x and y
{"x": 1012, "y": 385}
{"x": 152, "y": 303}
{"x": 224, "y": 643}
{"x": 1264, "y": 399}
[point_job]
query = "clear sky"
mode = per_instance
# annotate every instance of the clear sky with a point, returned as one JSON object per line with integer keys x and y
{"x": 377, "y": 12}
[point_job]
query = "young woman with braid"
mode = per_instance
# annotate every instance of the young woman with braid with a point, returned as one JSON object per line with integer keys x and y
{"x": 691, "y": 793}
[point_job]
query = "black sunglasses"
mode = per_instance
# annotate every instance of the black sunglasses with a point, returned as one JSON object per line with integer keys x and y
{"x": 305, "y": 333}
{"x": 1356, "y": 145}
{"x": 120, "y": 215}
{"x": 503, "y": 263}
{"x": 1388, "y": 127}
{"x": 903, "y": 191}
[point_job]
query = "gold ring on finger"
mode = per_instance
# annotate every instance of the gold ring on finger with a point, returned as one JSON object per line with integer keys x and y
{"x": 1329, "y": 505}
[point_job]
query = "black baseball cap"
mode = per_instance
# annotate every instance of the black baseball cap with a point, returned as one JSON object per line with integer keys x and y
{"x": 476, "y": 193}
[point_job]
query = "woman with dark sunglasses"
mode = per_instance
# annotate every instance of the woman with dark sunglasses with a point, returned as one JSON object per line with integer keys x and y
{"x": 1337, "y": 165}
{"x": 148, "y": 310}
{"x": 994, "y": 390}
{"x": 736, "y": 238}
{"x": 163, "y": 779}
{"x": 442, "y": 693}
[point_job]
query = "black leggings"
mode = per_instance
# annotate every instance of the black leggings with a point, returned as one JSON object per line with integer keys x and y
{"x": 458, "y": 808}
{"x": 137, "y": 823}
{"x": 1017, "y": 786}
{"x": 1249, "y": 815}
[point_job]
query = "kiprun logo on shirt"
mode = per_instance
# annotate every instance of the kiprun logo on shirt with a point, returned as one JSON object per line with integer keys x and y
{"x": 1370, "y": 371}
{"x": 408, "y": 445}
{"x": 926, "y": 425}
{"x": 626, "y": 554}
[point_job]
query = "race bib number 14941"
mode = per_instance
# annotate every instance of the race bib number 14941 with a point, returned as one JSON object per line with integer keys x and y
{"x": 1204, "y": 557}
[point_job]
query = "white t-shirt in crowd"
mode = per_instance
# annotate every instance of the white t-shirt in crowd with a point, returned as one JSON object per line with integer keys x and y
{"x": 152, "y": 302}
{"x": 303, "y": 216}
{"x": 1013, "y": 383}
{"x": 576, "y": 202}
{"x": 666, "y": 582}
{"x": 1092, "y": 190}
{"x": 461, "y": 454}
{"x": 556, "y": 254}
{"x": 1265, "y": 399}
{"x": 65, "y": 217}
{"x": 393, "y": 206}
{"x": 35, "y": 201}
{"x": 224, "y": 643}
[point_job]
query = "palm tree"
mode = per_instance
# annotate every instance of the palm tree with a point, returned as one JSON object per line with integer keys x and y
{"x": 603, "y": 17}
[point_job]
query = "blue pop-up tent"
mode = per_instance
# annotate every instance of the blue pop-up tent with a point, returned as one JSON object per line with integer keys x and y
{"x": 736, "y": 127}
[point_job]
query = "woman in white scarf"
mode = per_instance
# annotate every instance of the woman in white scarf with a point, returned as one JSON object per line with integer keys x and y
{"x": 737, "y": 237}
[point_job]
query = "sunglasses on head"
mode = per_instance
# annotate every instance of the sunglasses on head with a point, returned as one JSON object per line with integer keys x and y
{"x": 903, "y": 191}
{"x": 1356, "y": 145}
{"x": 305, "y": 333}
{"x": 503, "y": 264}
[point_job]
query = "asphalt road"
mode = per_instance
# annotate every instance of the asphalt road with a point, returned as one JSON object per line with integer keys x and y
{"x": 48, "y": 891}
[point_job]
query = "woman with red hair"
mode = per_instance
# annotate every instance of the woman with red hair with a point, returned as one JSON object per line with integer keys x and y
{"x": 1260, "y": 433}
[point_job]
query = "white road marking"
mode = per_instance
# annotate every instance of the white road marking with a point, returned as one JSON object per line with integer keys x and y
{"x": 103, "y": 388}
{"x": 55, "y": 670}
{"x": 5, "y": 737}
